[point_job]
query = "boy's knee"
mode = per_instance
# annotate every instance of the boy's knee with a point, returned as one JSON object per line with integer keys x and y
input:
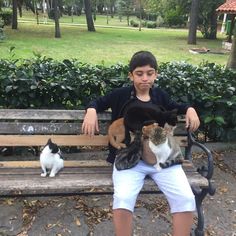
{"x": 184, "y": 203}
{"x": 124, "y": 200}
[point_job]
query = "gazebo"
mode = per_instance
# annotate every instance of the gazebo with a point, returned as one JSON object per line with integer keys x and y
{"x": 229, "y": 7}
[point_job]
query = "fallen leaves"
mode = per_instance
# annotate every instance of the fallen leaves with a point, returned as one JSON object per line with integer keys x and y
{"x": 223, "y": 189}
{"x": 77, "y": 221}
{"x": 219, "y": 162}
{"x": 94, "y": 215}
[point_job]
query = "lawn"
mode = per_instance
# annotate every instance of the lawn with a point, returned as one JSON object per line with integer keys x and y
{"x": 107, "y": 45}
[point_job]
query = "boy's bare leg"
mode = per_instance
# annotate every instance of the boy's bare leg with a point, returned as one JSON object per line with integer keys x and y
{"x": 182, "y": 223}
{"x": 123, "y": 220}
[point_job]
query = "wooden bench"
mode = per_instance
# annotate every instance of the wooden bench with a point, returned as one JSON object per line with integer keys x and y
{"x": 86, "y": 171}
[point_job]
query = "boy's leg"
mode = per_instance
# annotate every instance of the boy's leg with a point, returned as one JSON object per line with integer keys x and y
{"x": 182, "y": 223}
{"x": 127, "y": 185}
{"x": 173, "y": 183}
{"x": 123, "y": 222}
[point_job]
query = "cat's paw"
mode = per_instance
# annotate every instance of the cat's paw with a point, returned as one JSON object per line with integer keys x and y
{"x": 43, "y": 174}
{"x": 157, "y": 166}
{"x": 52, "y": 175}
{"x": 121, "y": 145}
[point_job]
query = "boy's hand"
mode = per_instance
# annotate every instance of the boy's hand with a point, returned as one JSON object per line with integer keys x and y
{"x": 90, "y": 123}
{"x": 192, "y": 120}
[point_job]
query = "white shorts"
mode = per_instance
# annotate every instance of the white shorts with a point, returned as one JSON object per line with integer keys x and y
{"x": 171, "y": 181}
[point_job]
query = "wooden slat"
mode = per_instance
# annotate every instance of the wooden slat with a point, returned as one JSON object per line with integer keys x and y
{"x": 61, "y": 128}
{"x": 69, "y": 163}
{"x": 46, "y": 128}
{"x": 39, "y": 128}
{"x": 61, "y": 140}
{"x": 37, "y": 114}
{"x": 71, "y": 180}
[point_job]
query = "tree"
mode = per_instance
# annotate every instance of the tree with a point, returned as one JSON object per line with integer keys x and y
{"x": 56, "y": 19}
{"x": 14, "y": 14}
{"x": 89, "y": 17}
{"x": 192, "y": 33}
{"x": 232, "y": 58}
{"x": 125, "y": 8}
{"x": 208, "y": 18}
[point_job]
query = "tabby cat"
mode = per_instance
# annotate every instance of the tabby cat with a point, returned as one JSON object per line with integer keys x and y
{"x": 163, "y": 145}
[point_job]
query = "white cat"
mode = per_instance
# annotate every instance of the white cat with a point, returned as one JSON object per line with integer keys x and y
{"x": 50, "y": 159}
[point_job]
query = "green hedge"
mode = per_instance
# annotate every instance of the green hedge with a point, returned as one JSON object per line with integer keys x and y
{"x": 70, "y": 84}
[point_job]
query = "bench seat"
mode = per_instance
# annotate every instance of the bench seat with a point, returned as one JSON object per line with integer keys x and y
{"x": 84, "y": 177}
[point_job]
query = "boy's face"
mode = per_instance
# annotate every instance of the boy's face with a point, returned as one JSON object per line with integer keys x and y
{"x": 143, "y": 78}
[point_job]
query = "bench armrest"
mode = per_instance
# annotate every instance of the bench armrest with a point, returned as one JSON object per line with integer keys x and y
{"x": 206, "y": 171}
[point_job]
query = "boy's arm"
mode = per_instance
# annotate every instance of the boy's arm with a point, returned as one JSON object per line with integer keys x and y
{"x": 90, "y": 123}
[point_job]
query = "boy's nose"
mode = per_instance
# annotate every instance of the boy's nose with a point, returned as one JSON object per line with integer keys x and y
{"x": 145, "y": 77}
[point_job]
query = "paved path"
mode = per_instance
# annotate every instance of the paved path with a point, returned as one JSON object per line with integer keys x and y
{"x": 91, "y": 215}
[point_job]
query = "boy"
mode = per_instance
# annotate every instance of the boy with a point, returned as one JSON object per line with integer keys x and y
{"x": 128, "y": 183}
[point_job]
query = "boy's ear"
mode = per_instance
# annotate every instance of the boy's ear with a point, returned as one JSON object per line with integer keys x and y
{"x": 156, "y": 74}
{"x": 130, "y": 75}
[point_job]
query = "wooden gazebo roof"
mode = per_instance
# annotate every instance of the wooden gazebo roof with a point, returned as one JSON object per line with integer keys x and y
{"x": 229, "y": 7}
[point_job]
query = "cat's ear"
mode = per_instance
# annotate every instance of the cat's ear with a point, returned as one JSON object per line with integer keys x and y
{"x": 169, "y": 128}
{"x": 172, "y": 117}
{"x": 49, "y": 141}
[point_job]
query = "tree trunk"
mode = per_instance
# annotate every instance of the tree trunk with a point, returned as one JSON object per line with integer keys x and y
{"x": 14, "y": 14}
{"x": 140, "y": 15}
{"x": 89, "y": 17}
{"x": 19, "y": 4}
{"x": 232, "y": 58}
{"x": 213, "y": 27}
{"x": 229, "y": 39}
{"x": 192, "y": 33}
{"x": 56, "y": 18}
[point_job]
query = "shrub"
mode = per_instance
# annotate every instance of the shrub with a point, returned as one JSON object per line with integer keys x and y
{"x": 151, "y": 24}
{"x": 174, "y": 18}
{"x": 134, "y": 23}
{"x": 160, "y": 21}
{"x": 6, "y": 16}
{"x": 2, "y": 35}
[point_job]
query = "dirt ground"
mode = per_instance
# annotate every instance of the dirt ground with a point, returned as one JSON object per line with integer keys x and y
{"x": 91, "y": 215}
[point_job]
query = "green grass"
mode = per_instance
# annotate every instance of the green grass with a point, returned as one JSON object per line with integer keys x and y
{"x": 100, "y": 19}
{"x": 106, "y": 45}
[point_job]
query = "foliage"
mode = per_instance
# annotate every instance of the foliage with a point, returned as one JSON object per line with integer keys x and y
{"x": 45, "y": 83}
{"x": 6, "y": 16}
{"x": 207, "y": 17}
{"x": 211, "y": 89}
{"x": 2, "y": 35}
{"x": 151, "y": 24}
{"x": 134, "y": 23}
{"x": 160, "y": 21}
{"x": 173, "y": 17}
{"x": 125, "y": 8}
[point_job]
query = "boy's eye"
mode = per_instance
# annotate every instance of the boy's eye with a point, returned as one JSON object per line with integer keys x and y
{"x": 141, "y": 73}
{"x": 150, "y": 73}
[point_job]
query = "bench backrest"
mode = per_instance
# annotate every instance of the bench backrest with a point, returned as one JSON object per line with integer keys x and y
{"x": 33, "y": 127}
